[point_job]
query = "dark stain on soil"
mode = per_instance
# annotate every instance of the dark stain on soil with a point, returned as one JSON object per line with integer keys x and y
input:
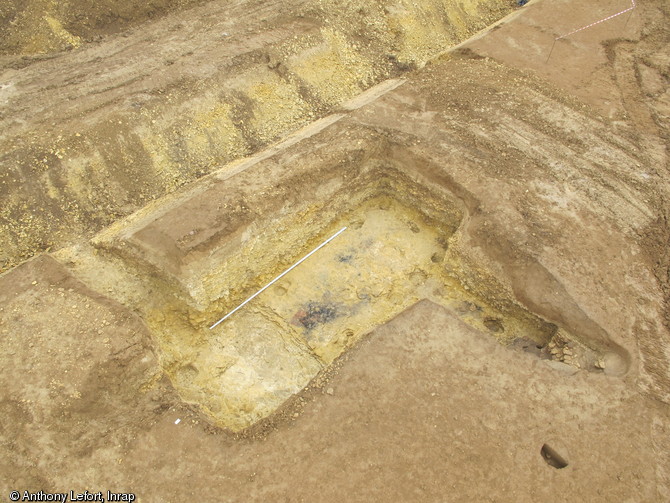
{"x": 315, "y": 313}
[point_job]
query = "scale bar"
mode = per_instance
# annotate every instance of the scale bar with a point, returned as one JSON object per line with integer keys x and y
{"x": 280, "y": 276}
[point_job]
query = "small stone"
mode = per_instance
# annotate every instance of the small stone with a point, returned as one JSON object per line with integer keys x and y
{"x": 296, "y": 414}
{"x": 330, "y": 391}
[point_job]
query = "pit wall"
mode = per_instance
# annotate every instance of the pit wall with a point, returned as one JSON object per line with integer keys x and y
{"x": 214, "y": 245}
{"x": 79, "y": 175}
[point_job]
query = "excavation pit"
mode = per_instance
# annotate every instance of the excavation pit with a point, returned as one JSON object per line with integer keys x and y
{"x": 211, "y": 251}
{"x": 381, "y": 265}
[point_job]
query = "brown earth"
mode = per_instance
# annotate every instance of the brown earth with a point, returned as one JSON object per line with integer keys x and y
{"x": 544, "y": 169}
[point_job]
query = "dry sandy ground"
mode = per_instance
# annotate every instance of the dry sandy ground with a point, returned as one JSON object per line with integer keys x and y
{"x": 561, "y": 167}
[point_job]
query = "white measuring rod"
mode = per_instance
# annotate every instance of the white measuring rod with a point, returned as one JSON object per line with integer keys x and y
{"x": 280, "y": 276}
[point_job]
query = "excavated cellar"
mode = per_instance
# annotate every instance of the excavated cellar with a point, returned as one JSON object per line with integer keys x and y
{"x": 402, "y": 244}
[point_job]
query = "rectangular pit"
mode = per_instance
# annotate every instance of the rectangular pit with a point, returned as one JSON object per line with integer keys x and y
{"x": 210, "y": 252}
